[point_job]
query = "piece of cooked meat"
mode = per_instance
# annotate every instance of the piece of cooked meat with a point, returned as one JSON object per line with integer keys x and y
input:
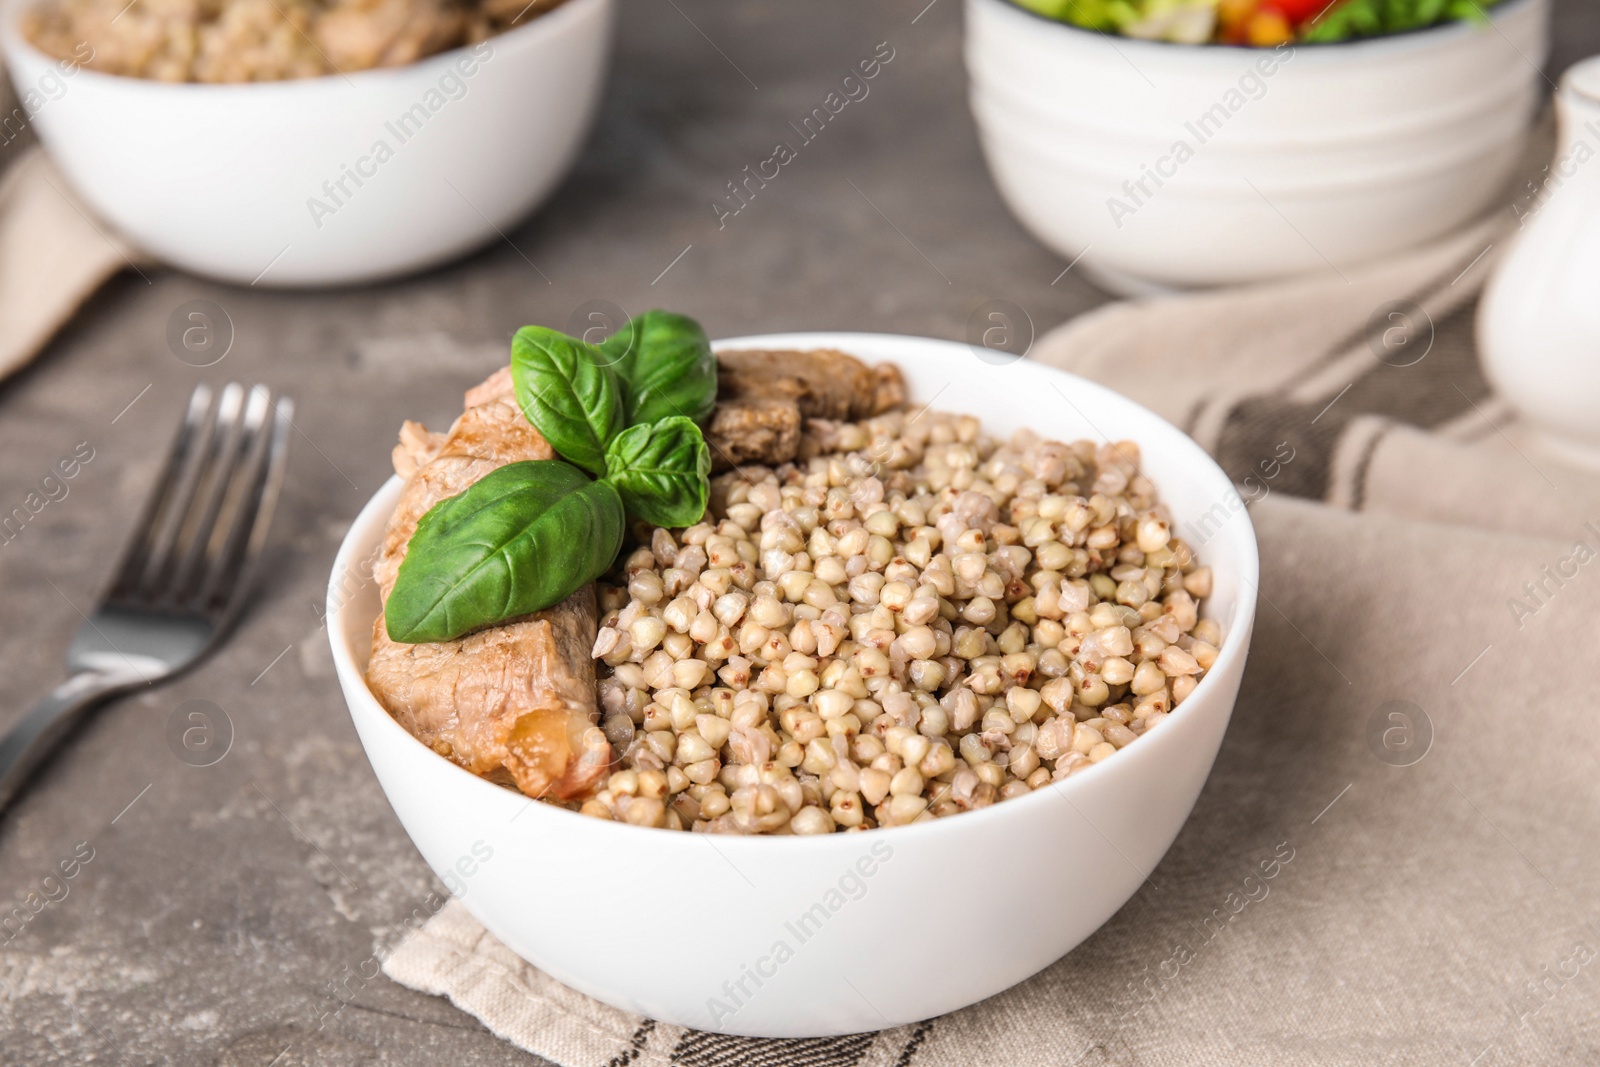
{"x": 754, "y": 430}
{"x": 417, "y": 446}
{"x": 514, "y": 701}
{"x": 764, "y": 396}
{"x": 823, "y": 382}
{"x": 889, "y": 388}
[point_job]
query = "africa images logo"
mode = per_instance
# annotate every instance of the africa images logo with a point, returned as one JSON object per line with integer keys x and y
{"x": 848, "y": 887}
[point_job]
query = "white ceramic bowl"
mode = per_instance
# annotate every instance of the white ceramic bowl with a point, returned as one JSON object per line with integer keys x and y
{"x": 669, "y": 924}
{"x": 1330, "y": 153}
{"x": 225, "y": 180}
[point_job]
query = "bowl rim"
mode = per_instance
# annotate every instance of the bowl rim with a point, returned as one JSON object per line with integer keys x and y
{"x": 1417, "y": 38}
{"x": 1240, "y": 629}
{"x": 13, "y": 41}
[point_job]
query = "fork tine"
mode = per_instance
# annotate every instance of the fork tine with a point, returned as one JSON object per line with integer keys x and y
{"x": 202, "y": 507}
{"x": 238, "y": 502}
{"x": 234, "y": 567}
{"x": 178, "y": 523}
{"x": 206, "y": 527}
{"x": 162, "y": 510}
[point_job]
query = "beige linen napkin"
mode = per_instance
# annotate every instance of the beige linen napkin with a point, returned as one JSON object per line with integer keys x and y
{"x": 1435, "y": 875}
{"x": 54, "y": 254}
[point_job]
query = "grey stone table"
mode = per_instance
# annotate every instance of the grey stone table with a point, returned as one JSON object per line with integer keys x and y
{"x": 220, "y": 903}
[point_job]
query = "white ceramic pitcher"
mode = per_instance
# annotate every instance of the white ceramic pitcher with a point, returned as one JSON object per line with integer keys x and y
{"x": 1539, "y": 321}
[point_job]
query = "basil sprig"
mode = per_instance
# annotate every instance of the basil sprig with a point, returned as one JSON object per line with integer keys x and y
{"x": 661, "y": 470}
{"x": 666, "y": 367}
{"x": 528, "y": 534}
{"x": 519, "y": 539}
{"x": 569, "y": 394}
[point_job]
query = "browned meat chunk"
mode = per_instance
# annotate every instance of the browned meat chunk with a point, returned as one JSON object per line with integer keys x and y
{"x": 889, "y": 388}
{"x": 753, "y": 431}
{"x": 823, "y": 383}
{"x": 515, "y": 702}
{"x": 763, "y": 397}
{"x": 417, "y": 446}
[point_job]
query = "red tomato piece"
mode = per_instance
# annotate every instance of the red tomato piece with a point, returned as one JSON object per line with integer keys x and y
{"x": 1299, "y": 11}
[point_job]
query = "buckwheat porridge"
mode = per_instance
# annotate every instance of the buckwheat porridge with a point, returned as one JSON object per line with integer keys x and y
{"x": 885, "y": 617}
{"x": 263, "y": 40}
{"x": 914, "y": 621}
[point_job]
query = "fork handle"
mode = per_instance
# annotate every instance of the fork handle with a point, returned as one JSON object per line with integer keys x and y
{"x": 30, "y": 741}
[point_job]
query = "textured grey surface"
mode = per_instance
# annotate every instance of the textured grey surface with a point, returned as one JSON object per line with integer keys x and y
{"x": 219, "y": 907}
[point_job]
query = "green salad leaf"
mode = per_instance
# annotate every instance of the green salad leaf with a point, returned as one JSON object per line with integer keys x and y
{"x": 518, "y": 540}
{"x": 1373, "y": 18}
{"x": 661, "y": 471}
{"x": 569, "y": 393}
{"x": 665, "y": 364}
{"x": 1107, "y": 15}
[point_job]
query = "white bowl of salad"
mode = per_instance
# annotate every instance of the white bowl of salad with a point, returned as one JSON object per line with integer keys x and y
{"x": 1191, "y": 143}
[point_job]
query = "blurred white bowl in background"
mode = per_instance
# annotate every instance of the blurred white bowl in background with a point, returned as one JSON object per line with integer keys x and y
{"x": 284, "y": 183}
{"x": 1293, "y": 160}
{"x": 671, "y": 925}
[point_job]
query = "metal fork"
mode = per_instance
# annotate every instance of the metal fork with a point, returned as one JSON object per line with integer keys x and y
{"x": 184, "y": 575}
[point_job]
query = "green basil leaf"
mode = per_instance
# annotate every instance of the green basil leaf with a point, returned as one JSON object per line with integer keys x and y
{"x": 519, "y": 540}
{"x": 666, "y": 367}
{"x": 569, "y": 393}
{"x": 661, "y": 471}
